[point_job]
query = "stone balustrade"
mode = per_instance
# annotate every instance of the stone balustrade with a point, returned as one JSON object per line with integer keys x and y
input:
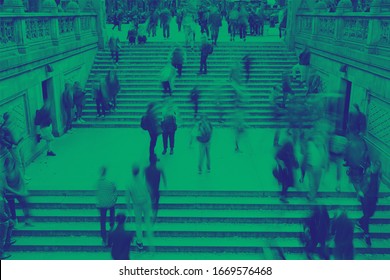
{"x": 21, "y": 32}
{"x": 366, "y": 32}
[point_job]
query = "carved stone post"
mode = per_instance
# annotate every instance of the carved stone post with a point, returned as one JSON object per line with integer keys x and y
{"x": 73, "y": 8}
{"x": 376, "y": 6}
{"x": 374, "y": 27}
{"x": 20, "y": 29}
{"x": 49, "y": 6}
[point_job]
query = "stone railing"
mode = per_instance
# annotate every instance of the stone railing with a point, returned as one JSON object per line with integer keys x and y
{"x": 19, "y": 33}
{"x": 360, "y": 31}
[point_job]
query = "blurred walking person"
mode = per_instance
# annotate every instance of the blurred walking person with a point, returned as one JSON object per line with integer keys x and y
{"x": 15, "y": 188}
{"x": 97, "y": 94}
{"x": 370, "y": 199}
{"x": 113, "y": 88}
{"x": 167, "y": 77}
{"x": 316, "y": 231}
{"x": 205, "y": 50}
{"x": 67, "y": 103}
{"x": 153, "y": 176}
{"x": 114, "y": 46}
{"x": 233, "y": 23}
{"x": 178, "y": 58}
{"x": 43, "y": 122}
{"x": 286, "y": 163}
{"x": 342, "y": 228}
{"x": 106, "y": 196}
{"x": 169, "y": 126}
{"x": 215, "y": 24}
{"x": 194, "y": 98}
{"x": 151, "y": 122}
{"x": 120, "y": 240}
{"x": 6, "y": 228}
{"x": 243, "y": 18}
{"x": 165, "y": 20}
{"x": 79, "y": 101}
{"x": 204, "y": 135}
{"x": 138, "y": 194}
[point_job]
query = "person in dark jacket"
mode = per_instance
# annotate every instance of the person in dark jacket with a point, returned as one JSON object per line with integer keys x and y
{"x": 169, "y": 127}
{"x": 215, "y": 24}
{"x": 153, "y": 176}
{"x": 243, "y": 18}
{"x": 194, "y": 98}
{"x": 370, "y": 199}
{"x": 286, "y": 88}
{"x": 113, "y": 87}
{"x": 153, "y": 126}
{"x": 203, "y": 16}
{"x": 205, "y": 50}
{"x": 165, "y": 20}
{"x": 79, "y": 101}
{"x": 342, "y": 228}
{"x": 286, "y": 162}
{"x": 316, "y": 230}
{"x": 119, "y": 240}
{"x": 178, "y": 57}
{"x": 114, "y": 46}
{"x": 357, "y": 160}
{"x": 67, "y": 102}
{"x": 357, "y": 123}
{"x": 97, "y": 93}
{"x": 43, "y": 122}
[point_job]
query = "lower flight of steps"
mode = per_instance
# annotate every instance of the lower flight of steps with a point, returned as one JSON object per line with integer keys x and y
{"x": 138, "y": 71}
{"x": 192, "y": 225}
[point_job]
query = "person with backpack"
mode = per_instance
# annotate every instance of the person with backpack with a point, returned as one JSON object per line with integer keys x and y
{"x": 169, "y": 127}
{"x": 113, "y": 88}
{"x": 178, "y": 57}
{"x": 205, "y": 50}
{"x": 151, "y": 123}
{"x": 165, "y": 20}
{"x": 204, "y": 134}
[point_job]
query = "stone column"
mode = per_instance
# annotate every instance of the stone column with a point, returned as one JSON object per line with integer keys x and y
{"x": 374, "y": 27}
{"x": 20, "y": 29}
{"x": 13, "y": 6}
{"x": 292, "y": 9}
{"x": 99, "y": 7}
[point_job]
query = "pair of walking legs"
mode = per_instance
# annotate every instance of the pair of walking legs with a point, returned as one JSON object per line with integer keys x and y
{"x": 204, "y": 152}
{"x": 103, "y": 218}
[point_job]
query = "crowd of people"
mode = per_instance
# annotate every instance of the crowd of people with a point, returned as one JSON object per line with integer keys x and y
{"x": 298, "y": 149}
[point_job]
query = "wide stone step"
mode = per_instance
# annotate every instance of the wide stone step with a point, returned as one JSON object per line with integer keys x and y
{"x": 135, "y": 255}
{"x": 189, "y": 244}
{"x": 168, "y": 202}
{"x": 271, "y": 216}
{"x": 379, "y": 231}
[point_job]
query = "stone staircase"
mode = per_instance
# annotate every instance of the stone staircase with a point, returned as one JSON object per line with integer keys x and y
{"x": 139, "y": 69}
{"x": 192, "y": 225}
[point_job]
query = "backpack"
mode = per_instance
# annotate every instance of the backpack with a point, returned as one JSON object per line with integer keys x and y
{"x": 210, "y": 49}
{"x": 145, "y": 122}
{"x": 205, "y": 132}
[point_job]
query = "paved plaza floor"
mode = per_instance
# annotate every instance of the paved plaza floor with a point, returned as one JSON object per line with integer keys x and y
{"x": 81, "y": 154}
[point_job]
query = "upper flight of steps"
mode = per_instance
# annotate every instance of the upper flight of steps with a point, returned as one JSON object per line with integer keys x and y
{"x": 192, "y": 225}
{"x": 139, "y": 75}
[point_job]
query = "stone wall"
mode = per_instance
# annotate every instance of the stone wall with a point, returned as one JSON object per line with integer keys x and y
{"x": 359, "y": 43}
{"x": 63, "y": 53}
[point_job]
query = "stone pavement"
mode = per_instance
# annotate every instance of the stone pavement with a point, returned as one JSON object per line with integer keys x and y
{"x": 82, "y": 153}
